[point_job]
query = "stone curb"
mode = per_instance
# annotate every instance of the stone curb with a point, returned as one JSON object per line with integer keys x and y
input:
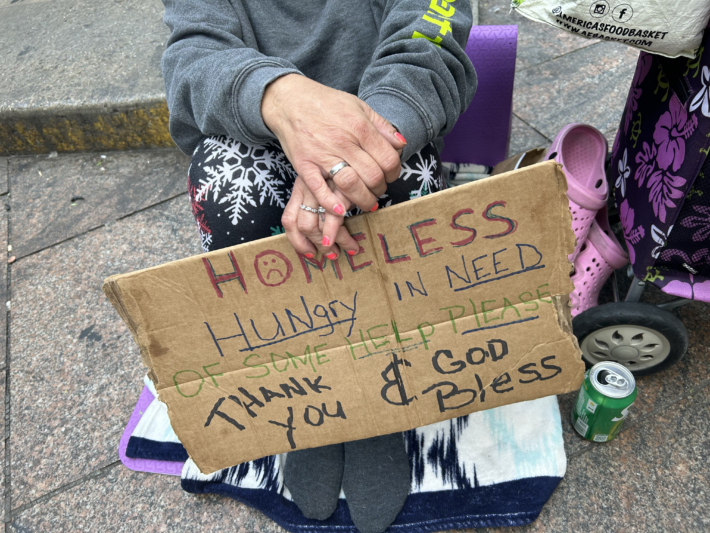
{"x": 122, "y": 126}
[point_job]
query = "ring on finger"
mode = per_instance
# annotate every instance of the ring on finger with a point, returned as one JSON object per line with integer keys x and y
{"x": 337, "y": 168}
{"x": 313, "y": 210}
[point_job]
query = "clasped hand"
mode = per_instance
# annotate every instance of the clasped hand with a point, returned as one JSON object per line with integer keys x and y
{"x": 319, "y": 127}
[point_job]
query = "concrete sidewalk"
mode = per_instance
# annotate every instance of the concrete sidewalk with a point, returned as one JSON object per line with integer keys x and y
{"x": 71, "y": 373}
{"x": 80, "y": 75}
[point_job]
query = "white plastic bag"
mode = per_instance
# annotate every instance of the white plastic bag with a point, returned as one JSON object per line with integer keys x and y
{"x": 670, "y": 28}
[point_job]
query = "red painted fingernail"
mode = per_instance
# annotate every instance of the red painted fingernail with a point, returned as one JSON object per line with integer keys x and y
{"x": 309, "y": 256}
{"x": 332, "y": 255}
{"x": 400, "y": 137}
{"x": 339, "y": 209}
{"x": 374, "y": 208}
{"x": 351, "y": 252}
{"x": 326, "y": 241}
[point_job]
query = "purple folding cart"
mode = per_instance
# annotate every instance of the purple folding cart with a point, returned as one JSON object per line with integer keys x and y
{"x": 660, "y": 171}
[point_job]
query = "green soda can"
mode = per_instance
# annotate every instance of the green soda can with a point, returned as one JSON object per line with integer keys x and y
{"x": 603, "y": 401}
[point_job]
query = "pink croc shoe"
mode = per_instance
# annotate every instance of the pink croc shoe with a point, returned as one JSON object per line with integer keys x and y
{"x": 598, "y": 257}
{"x": 581, "y": 150}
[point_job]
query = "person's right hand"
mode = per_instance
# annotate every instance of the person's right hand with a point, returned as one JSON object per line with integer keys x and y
{"x": 318, "y": 127}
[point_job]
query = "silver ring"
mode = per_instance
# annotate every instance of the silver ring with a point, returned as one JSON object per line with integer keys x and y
{"x": 313, "y": 209}
{"x": 337, "y": 168}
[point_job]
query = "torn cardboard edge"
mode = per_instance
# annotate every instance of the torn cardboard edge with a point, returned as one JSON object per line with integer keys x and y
{"x": 521, "y": 160}
{"x": 218, "y": 425}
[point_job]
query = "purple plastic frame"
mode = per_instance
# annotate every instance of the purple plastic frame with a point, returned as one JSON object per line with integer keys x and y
{"x": 482, "y": 133}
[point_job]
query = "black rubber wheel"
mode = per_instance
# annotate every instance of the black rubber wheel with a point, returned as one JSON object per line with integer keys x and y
{"x": 644, "y": 338}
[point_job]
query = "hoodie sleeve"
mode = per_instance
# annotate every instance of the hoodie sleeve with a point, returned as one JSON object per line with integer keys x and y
{"x": 420, "y": 78}
{"x": 214, "y": 76}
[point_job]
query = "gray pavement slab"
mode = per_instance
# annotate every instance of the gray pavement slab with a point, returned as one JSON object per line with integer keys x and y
{"x": 651, "y": 478}
{"x": 123, "y": 501}
{"x": 57, "y": 198}
{"x": 588, "y": 85}
{"x": 60, "y": 54}
{"x": 75, "y": 371}
{"x": 523, "y": 138}
{"x": 81, "y": 75}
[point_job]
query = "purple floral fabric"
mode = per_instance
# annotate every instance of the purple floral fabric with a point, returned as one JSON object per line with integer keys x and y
{"x": 661, "y": 174}
{"x": 670, "y": 133}
{"x": 632, "y": 234}
{"x": 700, "y": 221}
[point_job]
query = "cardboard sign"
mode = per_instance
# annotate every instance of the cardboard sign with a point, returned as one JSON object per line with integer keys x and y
{"x": 456, "y": 302}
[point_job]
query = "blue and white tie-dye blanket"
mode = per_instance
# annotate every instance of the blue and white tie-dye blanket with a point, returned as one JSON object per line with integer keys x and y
{"x": 488, "y": 469}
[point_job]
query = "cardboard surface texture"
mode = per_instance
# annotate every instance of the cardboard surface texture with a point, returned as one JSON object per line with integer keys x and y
{"x": 457, "y": 302}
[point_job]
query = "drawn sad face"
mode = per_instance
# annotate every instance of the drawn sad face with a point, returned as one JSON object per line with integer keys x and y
{"x": 272, "y": 268}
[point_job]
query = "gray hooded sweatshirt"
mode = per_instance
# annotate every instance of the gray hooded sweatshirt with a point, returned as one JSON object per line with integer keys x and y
{"x": 404, "y": 58}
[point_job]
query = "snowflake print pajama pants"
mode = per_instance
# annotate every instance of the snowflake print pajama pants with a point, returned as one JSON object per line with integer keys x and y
{"x": 238, "y": 192}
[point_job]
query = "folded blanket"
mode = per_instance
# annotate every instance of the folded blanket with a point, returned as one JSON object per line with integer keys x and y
{"x": 153, "y": 437}
{"x": 153, "y": 449}
{"x": 488, "y": 469}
